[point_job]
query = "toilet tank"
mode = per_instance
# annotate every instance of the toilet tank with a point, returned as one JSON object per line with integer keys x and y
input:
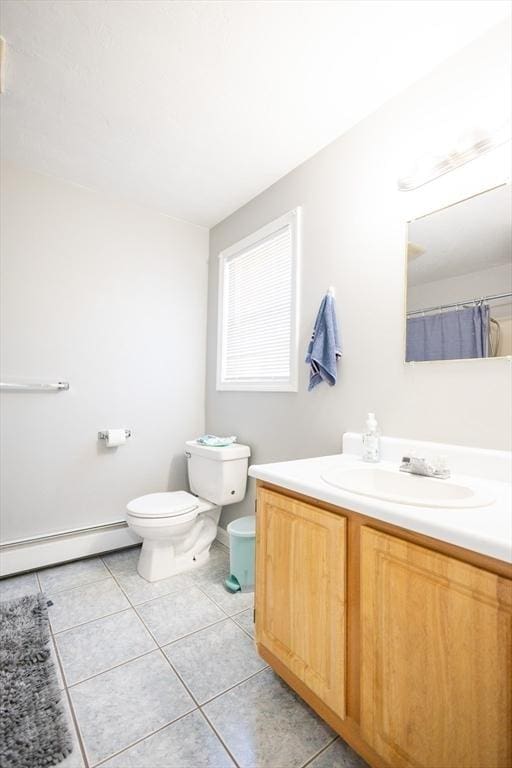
{"x": 218, "y": 475}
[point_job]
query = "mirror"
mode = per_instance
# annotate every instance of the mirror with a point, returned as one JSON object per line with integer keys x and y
{"x": 459, "y": 280}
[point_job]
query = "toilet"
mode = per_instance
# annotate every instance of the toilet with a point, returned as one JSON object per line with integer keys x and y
{"x": 177, "y": 528}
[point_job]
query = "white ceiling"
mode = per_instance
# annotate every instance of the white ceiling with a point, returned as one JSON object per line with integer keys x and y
{"x": 193, "y": 108}
{"x": 471, "y": 236}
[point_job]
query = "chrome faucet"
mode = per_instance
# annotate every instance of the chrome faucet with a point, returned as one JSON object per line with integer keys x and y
{"x": 417, "y": 465}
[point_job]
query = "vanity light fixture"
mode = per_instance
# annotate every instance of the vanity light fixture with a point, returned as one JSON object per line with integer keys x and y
{"x": 469, "y": 146}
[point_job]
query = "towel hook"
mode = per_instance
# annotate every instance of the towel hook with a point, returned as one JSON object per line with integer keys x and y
{"x": 331, "y": 291}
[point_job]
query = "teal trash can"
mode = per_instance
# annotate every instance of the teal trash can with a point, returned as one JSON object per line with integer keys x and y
{"x": 242, "y": 541}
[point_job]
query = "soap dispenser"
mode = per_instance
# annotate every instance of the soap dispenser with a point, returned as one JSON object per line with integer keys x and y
{"x": 371, "y": 440}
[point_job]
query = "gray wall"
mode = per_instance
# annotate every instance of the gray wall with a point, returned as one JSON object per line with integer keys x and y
{"x": 353, "y": 238}
{"x": 111, "y": 297}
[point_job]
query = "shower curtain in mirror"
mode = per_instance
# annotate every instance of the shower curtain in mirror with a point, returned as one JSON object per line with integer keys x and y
{"x": 454, "y": 335}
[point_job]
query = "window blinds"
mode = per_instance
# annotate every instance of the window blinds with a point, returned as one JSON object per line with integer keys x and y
{"x": 258, "y": 296}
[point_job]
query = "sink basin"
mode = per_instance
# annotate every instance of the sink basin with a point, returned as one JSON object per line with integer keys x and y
{"x": 404, "y": 488}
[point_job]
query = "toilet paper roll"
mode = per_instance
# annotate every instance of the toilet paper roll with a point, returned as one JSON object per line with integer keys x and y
{"x": 115, "y": 437}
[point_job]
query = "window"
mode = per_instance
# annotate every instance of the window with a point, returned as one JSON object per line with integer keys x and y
{"x": 257, "y": 336}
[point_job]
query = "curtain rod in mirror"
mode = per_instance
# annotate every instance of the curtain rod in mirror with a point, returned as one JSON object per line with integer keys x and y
{"x": 468, "y": 302}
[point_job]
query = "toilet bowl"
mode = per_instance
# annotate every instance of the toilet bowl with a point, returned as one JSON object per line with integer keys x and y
{"x": 177, "y": 528}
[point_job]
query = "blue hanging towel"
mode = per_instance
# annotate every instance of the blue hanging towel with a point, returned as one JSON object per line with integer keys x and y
{"x": 324, "y": 349}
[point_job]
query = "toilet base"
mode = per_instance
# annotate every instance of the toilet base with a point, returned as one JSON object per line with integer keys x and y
{"x": 158, "y": 560}
{"x": 171, "y": 548}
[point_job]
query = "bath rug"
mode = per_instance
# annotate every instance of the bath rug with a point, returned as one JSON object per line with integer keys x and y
{"x": 33, "y": 727}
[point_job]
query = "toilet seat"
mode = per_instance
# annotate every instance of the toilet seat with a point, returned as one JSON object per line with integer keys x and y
{"x": 172, "y": 504}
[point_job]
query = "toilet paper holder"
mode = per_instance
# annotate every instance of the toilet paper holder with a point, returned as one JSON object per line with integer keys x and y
{"x": 104, "y": 435}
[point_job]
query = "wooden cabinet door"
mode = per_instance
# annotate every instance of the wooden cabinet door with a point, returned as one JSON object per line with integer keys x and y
{"x": 300, "y": 592}
{"x": 436, "y": 658}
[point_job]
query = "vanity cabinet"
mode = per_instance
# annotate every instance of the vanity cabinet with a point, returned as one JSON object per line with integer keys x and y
{"x": 401, "y": 643}
{"x": 300, "y": 597}
{"x": 436, "y": 657}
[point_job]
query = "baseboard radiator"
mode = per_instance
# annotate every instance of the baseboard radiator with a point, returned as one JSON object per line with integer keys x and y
{"x": 40, "y": 551}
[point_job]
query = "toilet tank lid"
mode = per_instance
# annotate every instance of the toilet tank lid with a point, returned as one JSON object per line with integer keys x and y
{"x": 224, "y": 453}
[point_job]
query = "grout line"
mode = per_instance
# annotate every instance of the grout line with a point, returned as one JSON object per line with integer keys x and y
{"x": 182, "y": 681}
{"x": 141, "y": 619}
{"x": 117, "y": 578}
{"x": 243, "y": 628}
{"x": 320, "y": 752}
{"x": 90, "y": 621}
{"x": 59, "y": 590}
{"x": 136, "y": 606}
{"x": 217, "y": 734}
{"x": 59, "y": 661}
{"x": 157, "y": 597}
{"x": 205, "y": 593}
{"x": 74, "y": 720}
{"x": 158, "y": 648}
{"x": 39, "y": 583}
{"x": 231, "y": 687}
{"x": 199, "y": 706}
{"x": 143, "y": 738}
{"x": 65, "y": 692}
{"x": 152, "y": 733}
{"x": 116, "y": 666}
{"x": 218, "y": 604}
{"x": 132, "y": 606}
{"x": 217, "y": 695}
{"x": 189, "y": 634}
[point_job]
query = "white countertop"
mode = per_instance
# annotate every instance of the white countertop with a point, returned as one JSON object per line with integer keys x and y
{"x": 487, "y": 530}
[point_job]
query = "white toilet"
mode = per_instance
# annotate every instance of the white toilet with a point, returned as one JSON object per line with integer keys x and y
{"x": 177, "y": 528}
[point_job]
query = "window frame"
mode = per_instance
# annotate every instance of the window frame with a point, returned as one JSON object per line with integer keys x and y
{"x": 291, "y": 219}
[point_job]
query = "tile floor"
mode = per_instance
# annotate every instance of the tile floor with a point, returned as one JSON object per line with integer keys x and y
{"x": 166, "y": 675}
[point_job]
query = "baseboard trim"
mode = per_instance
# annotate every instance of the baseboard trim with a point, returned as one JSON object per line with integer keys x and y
{"x": 223, "y": 536}
{"x": 28, "y": 554}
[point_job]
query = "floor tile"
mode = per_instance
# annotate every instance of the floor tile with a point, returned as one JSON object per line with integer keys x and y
{"x": 264, "y": 724}
{"x": 246, "y": 621}
{"x": 92, "y": 601}
{"x": 75, "y": 759}
{"x": 216, "y": 568}
{"x": 214, "y": 659}
{"x": 102, "y": 644}
{"x": 219, "y": 551}
{"x": 230, "y": 602}
{"x": 17, "y": 586}
{"x": 338, "y": 755}
{"x": 188, "y": 743}
{"x": 125, "y": 704}
{"x": 138, "y": 590}
{"x": 70, "y": 575}
{"x": 122, "y": 561}
{"x": 173, "y": 616}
